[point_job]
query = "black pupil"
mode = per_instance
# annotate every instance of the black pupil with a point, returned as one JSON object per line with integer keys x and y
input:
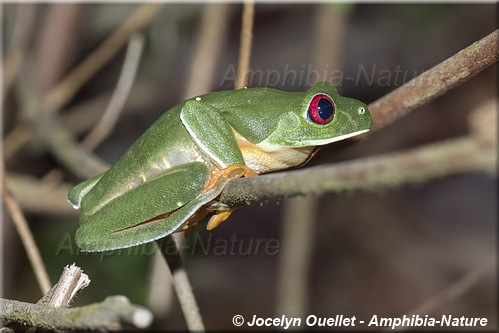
{"x": 325, "y": 109}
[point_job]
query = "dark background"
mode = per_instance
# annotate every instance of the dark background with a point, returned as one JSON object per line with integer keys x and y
{"x": 381, "y": 253}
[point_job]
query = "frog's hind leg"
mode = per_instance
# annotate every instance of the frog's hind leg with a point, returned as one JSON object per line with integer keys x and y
{"x": 77, "y": 192}
{"x": 155, "y": 208}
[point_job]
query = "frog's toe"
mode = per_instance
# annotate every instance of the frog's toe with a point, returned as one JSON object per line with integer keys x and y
{"x": 218, "y": 218}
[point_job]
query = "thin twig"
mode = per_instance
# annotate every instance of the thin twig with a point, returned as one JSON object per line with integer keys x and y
{"x": 114, "y": 313}
{"x": 299, "y": 214}
{"x": 451, "y": 293}
{"x": 436, "y": 81}
{"x": 212, "y": 35}
{"x": 64, "y": 147}
{"x": 26, "y": 235}
{"x": 40, "y": 198}
{"x": 245, "y": 48}
{"x": 61, "y": 94}
{"x": 71, "y": 281}
{"x": 181, "y": 283}
{"x": 21, "y": 35}
{"x": 60, "y": 28}
{"x": 160, "y": 295}
{"x": 16, "y": 139}
{"x": 61, "y": 143}
{"x": 297, "y": 237}
{"x": 120, "y": 94}
{"x": 64, "y": 91}
{"x": 114, "y": 108}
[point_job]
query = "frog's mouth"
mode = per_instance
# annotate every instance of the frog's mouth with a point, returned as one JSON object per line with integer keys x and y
{"x": 321, "y": 142}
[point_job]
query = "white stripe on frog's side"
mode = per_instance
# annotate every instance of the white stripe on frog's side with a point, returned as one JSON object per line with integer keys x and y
{"x": 199, "y": 143}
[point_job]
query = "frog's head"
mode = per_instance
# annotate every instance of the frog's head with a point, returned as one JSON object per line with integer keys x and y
{"x": 321, "y": 116}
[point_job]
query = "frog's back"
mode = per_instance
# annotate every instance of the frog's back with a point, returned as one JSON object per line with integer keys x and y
{"x": 155, "y": 151}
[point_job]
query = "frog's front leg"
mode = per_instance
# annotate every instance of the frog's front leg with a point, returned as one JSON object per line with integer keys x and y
{"x": 231, "y": 172}
{"x": 212, "y": 133}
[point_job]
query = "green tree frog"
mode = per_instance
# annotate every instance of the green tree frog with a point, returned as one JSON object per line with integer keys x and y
{"x": 171, "y": 176}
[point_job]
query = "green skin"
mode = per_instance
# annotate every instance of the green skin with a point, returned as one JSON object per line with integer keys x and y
{"x": 167, "y": 168}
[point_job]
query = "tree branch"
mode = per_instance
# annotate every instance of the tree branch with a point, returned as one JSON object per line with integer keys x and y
{"x": 65, "y": 90}
{"x": 436, "y": 81}
{"x": 37, "y": 197}
{"x": 452, "y": 292}
{"x": 25, "y": 233}
{"x": 114, "y": 313}
{"x": 105, "y": 125}
{"x": 467, "y": 154}
{"x": 476, "y": 152}
{"x": 61, "y": 94}
{"x": 22, "y": 32}
{"x": 169, "y": 249}
{"x": 62, "y": 144}
{"x": 72, "y": 280}
{"x": 391, "y": 170}
{"x": 64, "y": 147}
{"x": 374, "y": 173}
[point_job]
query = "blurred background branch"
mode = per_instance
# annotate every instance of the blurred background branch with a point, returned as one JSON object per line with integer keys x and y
{"x": 25, "y": 234}
{"x": 300, "y": 214}
{"x": 67, "y": 88}
{"x": 125, "y": 82}
{"x": 245, "y": 47}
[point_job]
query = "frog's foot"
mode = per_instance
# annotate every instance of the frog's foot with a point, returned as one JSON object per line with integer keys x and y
{"x": 189, "y": 226}
{"x": 218, "y": 218}
{"x": 231, "y": 172}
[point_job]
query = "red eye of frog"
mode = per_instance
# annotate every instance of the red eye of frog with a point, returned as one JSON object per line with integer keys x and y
{"x": 321, "y": 109}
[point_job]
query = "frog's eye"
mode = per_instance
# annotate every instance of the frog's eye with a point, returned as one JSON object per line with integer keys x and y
{"x": 321, "y": 109}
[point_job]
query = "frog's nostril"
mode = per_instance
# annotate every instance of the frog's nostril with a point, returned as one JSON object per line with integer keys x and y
{"x": 361, "y": 110}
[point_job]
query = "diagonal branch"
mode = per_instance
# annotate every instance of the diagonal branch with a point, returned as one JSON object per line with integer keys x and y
{"x": 436, "y": 81}
{"x": 170, "y": 251}
{"x": 25, "y": 233}
{"x": 120, "y": 94}
{"x": 63, "y": 92}
{"x": 68, "y": 87}
{"x": 452, "y": 292}
{"x": 374, "y": 173}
